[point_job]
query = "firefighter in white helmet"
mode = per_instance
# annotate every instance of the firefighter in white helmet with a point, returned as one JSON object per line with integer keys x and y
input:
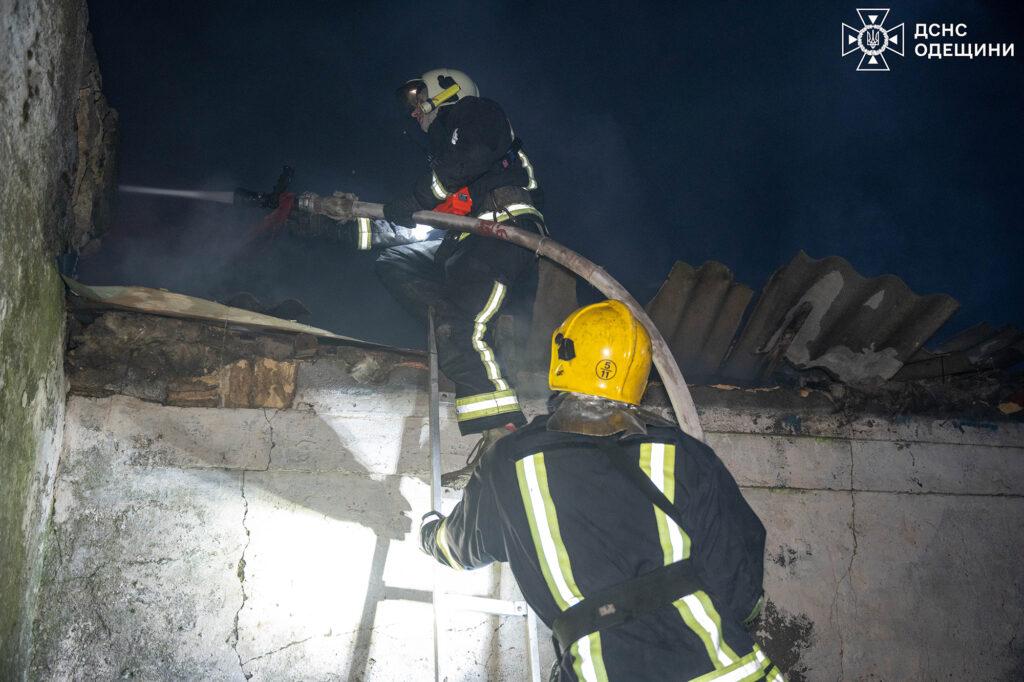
{"x": 478, "y": 167}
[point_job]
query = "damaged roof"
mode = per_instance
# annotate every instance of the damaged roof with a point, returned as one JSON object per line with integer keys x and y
{"x": 170, "y": 304}
{"x": 823, "y": 313}
{"x": 698, "y": 311}
{"x": 811, "y": 314}
{"x": 981, "y": 347}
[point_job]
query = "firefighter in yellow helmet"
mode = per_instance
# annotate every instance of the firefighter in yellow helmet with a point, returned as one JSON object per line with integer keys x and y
{"x": 629, "y": 538}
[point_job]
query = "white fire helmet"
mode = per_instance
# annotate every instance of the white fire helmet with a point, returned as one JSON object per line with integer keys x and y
{"x": 436, "y": 88}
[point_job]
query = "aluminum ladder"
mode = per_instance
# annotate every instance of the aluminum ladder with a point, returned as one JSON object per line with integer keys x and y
{"x": 443, "y": 601}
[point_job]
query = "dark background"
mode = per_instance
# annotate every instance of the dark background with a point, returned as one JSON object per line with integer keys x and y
{"x": 693, "y": 131}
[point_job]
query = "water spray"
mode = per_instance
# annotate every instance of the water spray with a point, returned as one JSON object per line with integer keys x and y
{"x": 198, "y": 195}
{"x": 241, "y": 197}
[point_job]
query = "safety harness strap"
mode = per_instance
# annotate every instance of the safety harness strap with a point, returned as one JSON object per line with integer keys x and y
{"x": 627, "y": 468}
{"x": 624, "y": 602}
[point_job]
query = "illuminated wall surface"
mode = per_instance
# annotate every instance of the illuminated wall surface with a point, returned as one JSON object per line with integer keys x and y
{"x": 204, "y": 543}
{"x": 208, "y": 543}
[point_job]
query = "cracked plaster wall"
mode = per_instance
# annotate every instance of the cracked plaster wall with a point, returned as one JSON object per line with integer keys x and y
{"x": 43, "y": 49}
{"x": 279, "y": 544}
{"x": 891, "y": 543}
{"x": 232, "y": 544}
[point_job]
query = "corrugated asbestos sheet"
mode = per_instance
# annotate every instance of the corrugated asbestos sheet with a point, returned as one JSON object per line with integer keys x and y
{"x": 822, "y": 313}
{"x": 698, "y": 312}
{"x": 170, "y": 304}
{"x": 979, "y": 348}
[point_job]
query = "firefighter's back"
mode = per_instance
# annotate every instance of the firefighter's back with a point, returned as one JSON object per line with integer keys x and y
{"x": 574, "y": 524}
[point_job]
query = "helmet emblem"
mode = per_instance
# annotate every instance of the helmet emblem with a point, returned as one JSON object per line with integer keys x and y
{"x": 606, "y": 369}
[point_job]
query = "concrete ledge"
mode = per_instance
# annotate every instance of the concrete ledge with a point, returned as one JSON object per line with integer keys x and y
{"x": 770, "y": 421}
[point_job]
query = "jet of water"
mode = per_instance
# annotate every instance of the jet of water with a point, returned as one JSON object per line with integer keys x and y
{"x": 200, "y": 195}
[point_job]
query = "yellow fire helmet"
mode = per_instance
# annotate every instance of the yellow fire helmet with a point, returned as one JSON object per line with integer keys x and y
{"x": 601, "y": 350}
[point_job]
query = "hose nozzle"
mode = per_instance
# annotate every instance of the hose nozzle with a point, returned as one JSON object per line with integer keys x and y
{"x": 338, "y": 206}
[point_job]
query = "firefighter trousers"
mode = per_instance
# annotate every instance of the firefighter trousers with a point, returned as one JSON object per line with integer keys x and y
{"x": 467, "y": 279}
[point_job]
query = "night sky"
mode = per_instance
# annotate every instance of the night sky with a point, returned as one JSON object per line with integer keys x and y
{"x": 687, "y": 131}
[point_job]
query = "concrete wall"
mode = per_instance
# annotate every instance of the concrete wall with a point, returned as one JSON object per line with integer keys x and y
{"x": 893, "y": 548}
{"x": 226, "y": 544}
{"x": 41, "y": 49}
{"x": 249, "y": 544}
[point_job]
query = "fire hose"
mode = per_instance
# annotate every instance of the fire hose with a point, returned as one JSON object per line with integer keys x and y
{"x": 596, "y": 276}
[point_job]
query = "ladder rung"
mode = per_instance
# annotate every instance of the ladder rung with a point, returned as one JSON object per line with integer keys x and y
{"x": 465, "y": 602}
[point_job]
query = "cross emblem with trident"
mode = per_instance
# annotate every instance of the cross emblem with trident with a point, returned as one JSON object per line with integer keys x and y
{"x": 873, "y": 39}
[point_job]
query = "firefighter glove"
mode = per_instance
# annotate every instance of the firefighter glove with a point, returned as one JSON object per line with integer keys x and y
{"x": 400, "y": 210}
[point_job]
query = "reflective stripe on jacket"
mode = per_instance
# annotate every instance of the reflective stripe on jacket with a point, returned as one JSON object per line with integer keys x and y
{"x": 570, "y": 523}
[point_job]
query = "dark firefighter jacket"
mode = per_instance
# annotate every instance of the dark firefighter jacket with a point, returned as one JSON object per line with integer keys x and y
{"x": 570, "y": 522}
{"x": 470, "y": 144}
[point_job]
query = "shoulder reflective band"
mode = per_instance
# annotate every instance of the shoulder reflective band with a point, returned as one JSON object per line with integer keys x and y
{"x": 364, "y": 236}
{"x": 532, "y": 184}
{"x": 658, "y": 462}
{"x": 547, "y": 538}
{"x": 440, "y": 193}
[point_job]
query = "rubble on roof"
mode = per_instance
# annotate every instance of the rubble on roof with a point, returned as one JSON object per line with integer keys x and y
{"x": 982, "y": 347}
{"x": 698, "y": 311}
{"x": 261, "y": 382}
{"x": 818, "y": 327}
{"x": 186, "y": 351}
{"x": 824, "y": 314}
{"x": 195, "y": 363}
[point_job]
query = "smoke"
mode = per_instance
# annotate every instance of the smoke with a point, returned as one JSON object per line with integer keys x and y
{"x": 657, "y": 134}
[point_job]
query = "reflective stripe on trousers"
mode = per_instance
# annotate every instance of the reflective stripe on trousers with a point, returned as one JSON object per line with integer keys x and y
{"x": 441, "y": 538}
{"x": 486, "y": 404}
{"x": 494, "y": 302}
